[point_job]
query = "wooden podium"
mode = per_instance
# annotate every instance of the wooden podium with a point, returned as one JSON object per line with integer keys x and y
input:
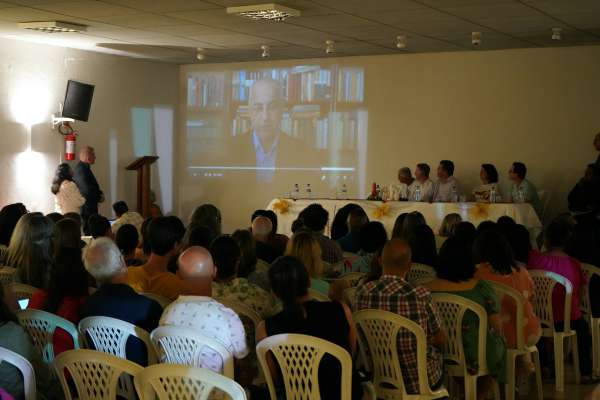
{"x": 142, "y": 166}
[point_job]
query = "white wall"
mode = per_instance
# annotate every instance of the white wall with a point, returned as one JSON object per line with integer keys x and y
{"x": 539, "y": 106}
{"x": 130, "y": 96}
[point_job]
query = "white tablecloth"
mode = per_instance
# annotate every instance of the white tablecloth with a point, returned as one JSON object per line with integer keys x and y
{"x": 287, "y": 211}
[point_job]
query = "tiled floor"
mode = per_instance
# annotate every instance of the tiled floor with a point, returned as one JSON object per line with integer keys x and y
{"x": 572, "y": 390}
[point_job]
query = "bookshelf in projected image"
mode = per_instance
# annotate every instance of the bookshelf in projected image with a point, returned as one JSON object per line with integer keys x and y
{"x": 324, "y": 107}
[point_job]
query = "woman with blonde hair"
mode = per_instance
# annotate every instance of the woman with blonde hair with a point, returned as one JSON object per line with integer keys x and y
{"x": 305, "y": 246}
{"x": 30, "y": 249}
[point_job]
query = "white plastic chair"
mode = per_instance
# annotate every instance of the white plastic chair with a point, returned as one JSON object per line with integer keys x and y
{"x": 22, "y": 291}
{"x": 96, "y": 374}
{"x": 420, "y": 273}
{"x": 298, "y": 357}
{"x": 544, "y": 283}
{"x": 452, "y": 309}
{"x": 242, "y": 310}
{"x": 316, "y": 295}
{"x": 178, "y": 382}
{"x": 349, "y": 296}
{"x": 7, "y": 275}
{"x": 26, "y": 369}
{"x": 40, "y": 325}
{"x": 161, "y": 300}
{"x": 379, "y": 337}
{"x": 521, "y": 348}
{"x": 178, "y": 345}
{"x": 589, "y": 271}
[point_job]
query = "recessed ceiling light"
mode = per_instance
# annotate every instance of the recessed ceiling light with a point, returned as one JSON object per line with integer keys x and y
{"x": 401, "y": 41}
{"x": 52, "y": 26}
{"x": 269, "y": 12}
{"x": 329, "y": 46}
{"x": 556, "y": 33}
{"x": 200, "y": 54}
{"x": 476, "y": 38}
{"x": 266, "y": 51}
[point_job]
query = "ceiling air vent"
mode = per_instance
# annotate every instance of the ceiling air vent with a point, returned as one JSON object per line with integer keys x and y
{"x": 52, "y": 26}
{"x": 269, "y": 12}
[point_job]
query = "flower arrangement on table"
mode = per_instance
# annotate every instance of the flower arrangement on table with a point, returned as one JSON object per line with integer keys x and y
{"x": 282, "y": 206}
{"x": 479, "y": 211}
{"x": 382, "y": 211}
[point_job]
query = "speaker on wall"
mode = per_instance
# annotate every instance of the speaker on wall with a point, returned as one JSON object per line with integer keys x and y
{"x": 78, "y": 100}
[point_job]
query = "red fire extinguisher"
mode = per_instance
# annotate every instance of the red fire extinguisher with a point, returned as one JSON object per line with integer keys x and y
{"x": 70, "y": 141}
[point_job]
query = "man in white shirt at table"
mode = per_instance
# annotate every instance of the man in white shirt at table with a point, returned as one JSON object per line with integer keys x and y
{"x": 446, "y": 188}
{"x": 204, "y": 314}
{"x": 421, "y": 182}
{"x": 406, "y": 180}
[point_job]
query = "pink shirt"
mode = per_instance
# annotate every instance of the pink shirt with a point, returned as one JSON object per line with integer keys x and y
{"x": 568, "y": 267}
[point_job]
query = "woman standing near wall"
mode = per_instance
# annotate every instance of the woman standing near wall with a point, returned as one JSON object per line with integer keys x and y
{"x": 68, "y": 197}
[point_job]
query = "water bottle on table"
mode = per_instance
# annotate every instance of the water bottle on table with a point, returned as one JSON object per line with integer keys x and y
{"x": 418, "y": 193}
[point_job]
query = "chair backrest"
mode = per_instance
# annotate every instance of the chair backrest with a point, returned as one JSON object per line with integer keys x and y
{"x": 7, "y": 275}
{"x": 544, "y": 283}
{"x": 40, "y": 325}
{"x": 452, "y": 309}
{"x": 163, "y": 301}
{"x": 516, "y": 298}
{"x": 349, "y": 296}
{"x": 298, "y": 357}
{"x": 242, "y": 310}
{"x": 95, "y": 374}
{"x": 588, "y": 272}
{"x": 23, "y": 365}
{"x": 379, "y": 334}
{"x": 351, "y": 276}
{"x": 22, "y": 292}
{"x": 316, "y": 295}
{"x": 178, "y": 345}
{"x": 183, "y": 382}
{"x": 420, "y": 273}
{"x": 110, "y": 335}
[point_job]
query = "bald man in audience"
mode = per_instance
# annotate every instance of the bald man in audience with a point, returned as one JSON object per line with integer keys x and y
{"x": 393, "y": 293}
{"x": 203, "y": 314}
{"x": 261, "y": 230}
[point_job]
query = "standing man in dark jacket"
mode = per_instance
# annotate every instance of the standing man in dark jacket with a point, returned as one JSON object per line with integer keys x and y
{"x": 87, "y": 184}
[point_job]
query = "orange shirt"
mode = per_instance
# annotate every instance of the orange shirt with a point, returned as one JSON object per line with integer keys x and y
{"x": 165, "y": 284}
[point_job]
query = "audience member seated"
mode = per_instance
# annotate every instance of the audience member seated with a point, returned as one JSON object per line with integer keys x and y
{"x": 391, "y": 292}
{"x": 204, "y": 314}
{"x": 331, "y": 321}
{"x": 489, "y": 180}
{"x": 465, "y": 231}
{"x": 261, "y": 229}
{"x": 163, "y": 238}
{"x": 373, "y": 237}
{"x": 277, "y": 241}
{"x": 54, "y": 217}
{"x": 399, "y": 226}
{"x": 422, "y": 244}
{"x": 115, "y": 298}
{"x": 584, "y": 198}
{"x": 446, "y": 188}
{"x": 180, "y": 231}
{"x": 207, "y": 215}
{"x": 423, "y": 183}
{"x": 66, "y": 293}
{"x": 124, "y": 216}
{"x": 30, "y": 249}
{"x": 505, "y": 225}
{"x": 449, "y": 223}
{"x": 127, "y": 241}
{"x": 339, "y": 226}
{"x": 305, "y": 247}
{"x": 520, "y": 244}
{"x": 494, "y": 260}
{"x": 248, "y": 261}
{"x": 485, "y": 226}
{"x": 14, "y": 338}
{"x": 99, "y": 226}
{"x": 9, "y": 216}
{"x": 350, "y": 242}
{"x": 411, "y": 221}
{"x": 455, "y": 274}
{"x": 556, "y": 236}
{"x": 226, "y": 255}
{"x": 315, "y": 218}
{"x": 155, "y": 211}
{"x": 522, "y": 190}
{"x": 67, "y": 233}
{"x": 145, "y": 245}
{"x": 199, "y": 235}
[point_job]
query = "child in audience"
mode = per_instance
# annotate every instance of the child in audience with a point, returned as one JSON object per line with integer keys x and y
{"x": 455, "y": 274}
{"x": 331, "y": 321}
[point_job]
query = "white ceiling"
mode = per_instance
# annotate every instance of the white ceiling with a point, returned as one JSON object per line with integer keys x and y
{"x": 171, "y": 30}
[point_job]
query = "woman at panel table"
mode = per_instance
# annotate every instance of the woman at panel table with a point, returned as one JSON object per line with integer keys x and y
{"x": 489, "y": 180}
{"x": 68, "y": 197}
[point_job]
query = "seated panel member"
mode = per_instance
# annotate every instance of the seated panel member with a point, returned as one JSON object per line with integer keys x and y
{"x": 447, "y": 186}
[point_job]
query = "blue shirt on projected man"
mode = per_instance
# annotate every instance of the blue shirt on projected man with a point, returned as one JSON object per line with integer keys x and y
{"x": 265, "y": 161}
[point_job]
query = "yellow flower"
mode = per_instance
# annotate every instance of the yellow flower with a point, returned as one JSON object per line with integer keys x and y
{"x": 479, "y": 211}
{"x": 382, "y": 211}
{"x": 281, "y": 206}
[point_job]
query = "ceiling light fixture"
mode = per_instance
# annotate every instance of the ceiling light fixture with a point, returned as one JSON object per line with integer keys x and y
{"x": 556, "y": 33}
{"x": 401, "y": 41}
{"x": 269, "y": 12}
{"x": 329, "y": 46}
{"x": 52, "y": 26}
{"x": 266, "y": 51}
{"x": 475, "y": 38}
{"x": 199, "y": 54}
